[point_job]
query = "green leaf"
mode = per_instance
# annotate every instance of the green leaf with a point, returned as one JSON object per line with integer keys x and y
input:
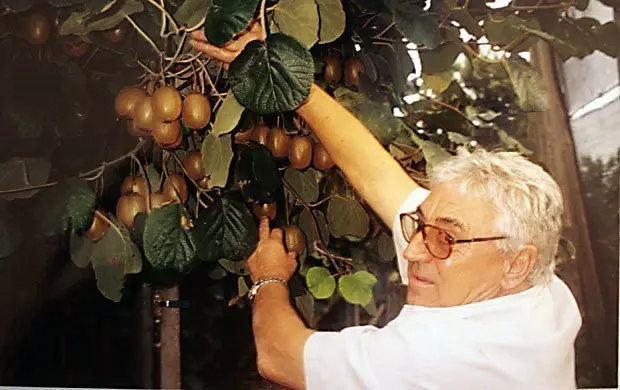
{"x": 192, "y": 11}
{"x": 80, "y": 23}
{"x": 511, "y": 143}
{"x": 257, "y": 174}
{"x": 225, "y": 230}
{"x": 582, "y": 5}
{"x": 21, "y": 172}
{"x": 434, "y": 154}
{"x": 385, "y": 244}
{"x": 376, "y": 116}
{"x": 11, "y": 235}
{"x": 217, "y": 273}
{"x": 227, "y": 18}
{"x": 502, "y": 31}
{"x": 332, "y": 20}
{"x": 438, "y": 82}
{"x": 441, "y": 59}
{"x": 305, "y": 183}
{"x": 347, "y": 217}
{"x": 307, "y": 226}
{"x": 357, "y": 288}
{"x": 69, "y": 204}
{"x": 114, "y": 257}
{"x": 464, "y": 18}
{"x": 242, "y": 286}
{"x": 272, "y": 76}
{"x": 81, "y": 250}
{"x": 153, "y": 177}
{"x": 235, "y": 267}
{"x": 297, "y": 18}
{"x": 417, "y": 25}
{"x": 528, "y": 84}
{"x": 227, "y": 116}
{"x": 167, "y": 245}
{"x": 321, "y": 282}
{"x": 217, "y": 155}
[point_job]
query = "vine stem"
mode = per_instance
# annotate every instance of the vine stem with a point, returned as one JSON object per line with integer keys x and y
{"x": 112, "y": 224}
{"x": 141, "y": 32}
{"x": 165, "y": 14}
{"x": 262, "y": 16}
{"x": 173, "y": 59}
{"x": 85, "y": 175}
{"x": 206, "y": 74}
{"x": 315, "y": 226}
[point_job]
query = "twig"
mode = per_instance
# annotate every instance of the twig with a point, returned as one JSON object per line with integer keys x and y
{"x": 165, "y": 15}
{"x": 375, "y": 320}
{"x": 262, "y": 16}
{"x": 141, "y": 32}
{"x": 388, "y": 28}
{"x": 206, "y": 73}
{"x": 320, "y": 202}
{"x": 176, "y": 53}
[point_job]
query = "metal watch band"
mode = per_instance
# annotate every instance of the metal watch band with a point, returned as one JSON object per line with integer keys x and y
{"x": 254, "y": 289}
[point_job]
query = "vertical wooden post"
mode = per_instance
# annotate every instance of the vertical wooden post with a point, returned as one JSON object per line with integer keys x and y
{"x": 145, "y": 329}
{"x": 170, "y": 336}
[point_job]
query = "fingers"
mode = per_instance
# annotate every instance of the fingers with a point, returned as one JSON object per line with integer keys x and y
{"x": 199, "y": 35}
{"x": 277, "y": 234}
{"x": 218, "y": 53}
{"x": 263, "y": 229}
{"x": 292, "y": 256}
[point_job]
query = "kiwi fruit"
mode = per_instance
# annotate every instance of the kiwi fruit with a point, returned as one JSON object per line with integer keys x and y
{"x": 259, "y": 134}
{"x": 277, "y": 142}
{"x": 321, "y": 159}
{"x": 192, "y": 162}
{"x": 159, "y": 199}
{"x": 38, "y": 29}
{"x": 196, "y": 112}
{"x": 134, "y": 130}
{"x": 167, "y": 133}
{"x": 332, "y": 73}
{"x": 175, "y": 188}
{"x": 294, "y": 238}
{"x": 243, "y": 137}
{"x": 75, "y": 47}
{"x": 127, "y": 99}
{"x": 98, "y": 228}
{"x": 128, "y": 206}
{"x": 268, "y": 210}
{"x": 143, "y": 114}
{"x": 300, "y": 151}
{"x": 135, "y": 184}
{"x": 352, "y": 68}
{"x": 167, "y": 104}
{"x": 116, "y": 34}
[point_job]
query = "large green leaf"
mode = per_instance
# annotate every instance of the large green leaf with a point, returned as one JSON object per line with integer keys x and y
{"x": 257, "y": 175}
{"x": 297, "y": 18}
{"x": 504, "y": 30}
{"x": 357, "y": 288}
{"x": 441, "y": 59}
{"x": 22, "y": 172}
{"x": 227, "y": 116}
{"x": 227, "y": 18}
{"x": 464, "y": 18}
{"x": 321, "y": 282}
{"x": 272, "y": 76}
{"x": 528, "y": 84}
{"x": 346, "y": 217}
{"x": 81, "y": 23}
{"x": 225, "y": 230}
{"x": 69, "y": 204}
{"x": 81, "y": 250}
{"x": 217, "y": 155}
{"x": 416, "y": 25}
{"x": 385, "y": 246}
{"x": 114, "y": 257}
{"x": 167, "y": 245}
{"x": 307, "y": 226}
{"x": 607, "y": 37}
{"x": 192, "y": 11}
{"x": 332, "y": 20}
{"x": 305, "y": 183}
{"x": 10, "y": 231}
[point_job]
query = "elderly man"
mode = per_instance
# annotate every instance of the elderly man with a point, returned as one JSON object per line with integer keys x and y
{"x": 484, "y": 309}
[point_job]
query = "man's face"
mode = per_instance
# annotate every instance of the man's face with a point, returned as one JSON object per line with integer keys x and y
{"x": 474, "y": 271}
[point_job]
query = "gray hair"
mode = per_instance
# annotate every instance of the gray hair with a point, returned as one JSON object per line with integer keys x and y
{"x": 528, "y": 200}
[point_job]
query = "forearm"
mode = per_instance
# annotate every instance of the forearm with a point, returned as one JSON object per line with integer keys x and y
{"x": 280, "y": 336}
{"x": 374, "y": 173}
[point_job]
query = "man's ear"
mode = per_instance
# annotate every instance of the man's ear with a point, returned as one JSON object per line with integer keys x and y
{"x": 517, "y": 269}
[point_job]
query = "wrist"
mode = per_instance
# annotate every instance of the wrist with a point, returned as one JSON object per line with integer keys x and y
{"x": 263, "y": 283}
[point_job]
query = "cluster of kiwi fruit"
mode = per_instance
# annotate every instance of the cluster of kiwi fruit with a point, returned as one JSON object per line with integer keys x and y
{"x": 298, "y": 148}
{"x": 333, "y": 71}
{"x": 39, "y": 27}
{"x": 159, "y": 114}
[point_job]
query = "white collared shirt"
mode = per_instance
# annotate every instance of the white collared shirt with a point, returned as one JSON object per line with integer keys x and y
{"x": 520, "y": 341}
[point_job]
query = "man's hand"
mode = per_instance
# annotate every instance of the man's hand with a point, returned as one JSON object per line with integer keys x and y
{"x": 270, "y": 259}
{"x": 230, "y": 50}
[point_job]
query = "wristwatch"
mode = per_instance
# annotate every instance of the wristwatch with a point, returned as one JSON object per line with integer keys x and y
{"x": 260, "y": 283}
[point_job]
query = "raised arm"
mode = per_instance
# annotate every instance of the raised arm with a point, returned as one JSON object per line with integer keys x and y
{"x": 374, "y": 173}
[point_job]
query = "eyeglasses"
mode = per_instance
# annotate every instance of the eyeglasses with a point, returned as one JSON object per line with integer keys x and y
{"x": 438, "y": 242}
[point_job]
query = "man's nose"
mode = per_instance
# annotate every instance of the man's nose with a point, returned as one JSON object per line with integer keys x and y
{"x": 416, "y": 250}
